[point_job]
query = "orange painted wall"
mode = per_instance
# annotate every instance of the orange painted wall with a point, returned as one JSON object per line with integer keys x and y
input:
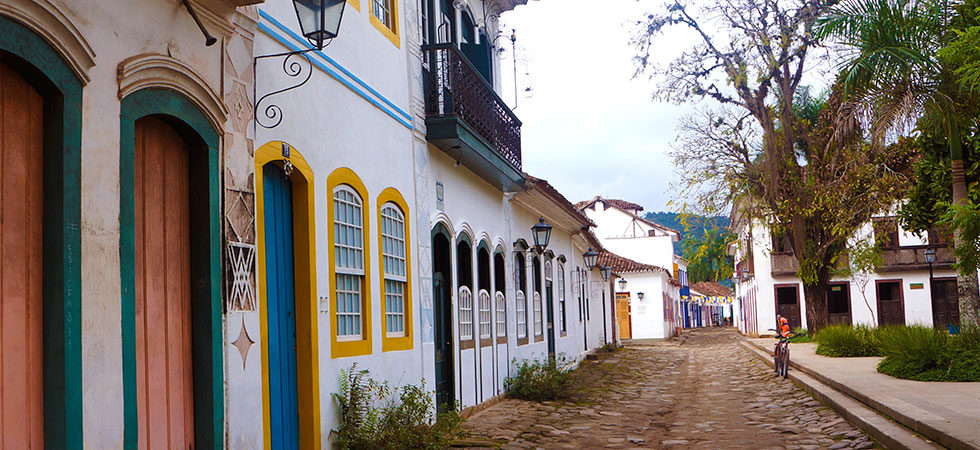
{"x": 163, "y": 295}
{"x": 21, "y": 368}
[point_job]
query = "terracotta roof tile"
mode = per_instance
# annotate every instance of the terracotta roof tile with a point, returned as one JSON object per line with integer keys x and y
{"x": 622, "y": 264}
{"x": 711, "y": 288}
{"x": 621, "y": 204}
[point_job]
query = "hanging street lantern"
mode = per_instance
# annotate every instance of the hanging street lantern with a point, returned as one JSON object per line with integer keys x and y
{"x": 541, "y": 232}
{"x": 606, "y": 272}
{"x": 930, "y": 256}
{"x": 319, "y": 20}
{"x": 639, "y": 296}
{"x": 622, "y": 284}
{"x": 591, "y": 258}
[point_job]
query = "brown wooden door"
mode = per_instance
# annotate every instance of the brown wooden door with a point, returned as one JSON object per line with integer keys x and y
{"x": 788, "y": 304}
{"x": 945, "y": 303}
{"x": 891, "y": 305}
{"x": 21, "y": 366}
{"x": 163, "y": 295}
{"x": 839, "y": 304}
{"x": 623, "y": 316}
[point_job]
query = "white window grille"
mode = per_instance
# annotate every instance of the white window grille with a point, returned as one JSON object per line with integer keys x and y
{"x": 348, "y": 261}
{"x": 521, "y": 315}
{"x": 538, "y": 329}
{"x": 394, "y": 266}
{"x": 382, "y": 11}
{"x": 485, "y": 315}
{"x": 501, "y": 310}
{"x": 465, "y": 313}
{"x": 563, "y": 327}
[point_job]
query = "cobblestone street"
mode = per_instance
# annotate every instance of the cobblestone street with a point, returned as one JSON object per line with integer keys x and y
{"x": 699, "y": 391}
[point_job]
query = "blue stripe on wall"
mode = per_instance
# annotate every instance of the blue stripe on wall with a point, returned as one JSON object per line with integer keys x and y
{"x": 388, "y": 107}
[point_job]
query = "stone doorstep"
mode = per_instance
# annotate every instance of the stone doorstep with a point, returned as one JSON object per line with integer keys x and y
{"x": 919, "y": 426}
{"x": 884, "y": 430}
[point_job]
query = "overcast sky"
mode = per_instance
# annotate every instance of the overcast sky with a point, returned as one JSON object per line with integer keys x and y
{"x": 589, "y": 127}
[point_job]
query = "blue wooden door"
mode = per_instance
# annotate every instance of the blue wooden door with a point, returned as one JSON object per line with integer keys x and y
{"x": 281, "y": 308}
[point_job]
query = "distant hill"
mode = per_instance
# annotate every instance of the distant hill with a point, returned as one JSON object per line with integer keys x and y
{"x": 673, "y": 220}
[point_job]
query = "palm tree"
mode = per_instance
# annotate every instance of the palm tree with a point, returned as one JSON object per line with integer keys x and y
{"x": 896, "y": 80}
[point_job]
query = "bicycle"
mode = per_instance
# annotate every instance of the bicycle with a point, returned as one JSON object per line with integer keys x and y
{"x": 780, "y": 356}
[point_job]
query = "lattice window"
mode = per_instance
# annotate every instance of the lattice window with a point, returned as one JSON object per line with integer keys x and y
{"x": 521, "y": 315}
{"x": 349, "y": 261}
{"x": 393, "y": 258}
{"x": 485, "y": 315}
{"x": 538, "y": 329}
{"x": 383, "y": 12}
{"x": 465, "y": 313}
{"x": 501, "y": 310}
{"x": 562, "y": 325}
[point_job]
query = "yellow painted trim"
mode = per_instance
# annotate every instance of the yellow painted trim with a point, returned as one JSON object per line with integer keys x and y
{"x": 342, "y": 349}
{"x": 391, "y": 195}
{"x": 390, "y": 33}
{"x": 304, "y": 254}
{"x": 356, "y": 4}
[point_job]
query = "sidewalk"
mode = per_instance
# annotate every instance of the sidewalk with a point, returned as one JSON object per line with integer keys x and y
{"x": 947, "y": 413}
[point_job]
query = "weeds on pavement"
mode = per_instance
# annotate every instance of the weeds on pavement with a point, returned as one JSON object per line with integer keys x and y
{"x": 375, "y": 416}
{"x": 540, "y": 380}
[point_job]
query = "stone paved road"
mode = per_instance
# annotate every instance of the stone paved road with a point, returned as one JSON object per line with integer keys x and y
{"x": 700, "y": 391}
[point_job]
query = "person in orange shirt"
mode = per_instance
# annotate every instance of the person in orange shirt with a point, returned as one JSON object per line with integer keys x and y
{"x": 783, "y": 326}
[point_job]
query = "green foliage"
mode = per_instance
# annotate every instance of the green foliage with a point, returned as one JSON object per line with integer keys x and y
{"x": 540, "y": 380}
{"x": 691, "y": 226}
{"x": 800, "y": 335}
{"x": 966, "y": 219}
{"x": 375, "y": 416}
{"x": 707, "y": 257}
{"x": 924, "y": 354}
{"x": 847, "y": 341}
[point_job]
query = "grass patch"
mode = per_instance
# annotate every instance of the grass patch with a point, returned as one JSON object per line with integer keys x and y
{"x": 540, "y": 380}
{"x": 842, "y": 341}
{"x": 924, "y": 354}
{"x": 375, "y": 416}
{"x": 800, "y": 335}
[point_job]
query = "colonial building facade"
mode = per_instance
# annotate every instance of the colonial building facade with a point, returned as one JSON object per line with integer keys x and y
{"x": 900, "y": 290}
{"x": 177, "y": 272}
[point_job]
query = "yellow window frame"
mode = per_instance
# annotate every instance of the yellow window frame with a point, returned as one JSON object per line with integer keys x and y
{"x": 407, "y": 342}
{"x": 356, "y": 4}
{"x": 390, "y": 33}
{"x": 363, "y": 346}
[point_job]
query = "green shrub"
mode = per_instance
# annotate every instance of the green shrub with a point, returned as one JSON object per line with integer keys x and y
{"x": 847, "y": 341}
{"x": 800, "y": 335}
{"x": 374, "y": 416}
{"x": 925, "y": 354}
{"x": 540, "y": 380}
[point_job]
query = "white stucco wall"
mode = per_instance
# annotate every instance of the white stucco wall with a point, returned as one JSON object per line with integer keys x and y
{"x": 625, "y": 236}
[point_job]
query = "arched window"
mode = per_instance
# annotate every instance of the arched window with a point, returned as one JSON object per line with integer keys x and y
{"x": 465, "y": 313}
{"x": 394, "y": 268}
{"x": 348, "y": 262}
{"x": 521, "y": 315}
{"x": 501, "y": 309}
{"x": 536, "y": 298}
{"x": 538, "y": 329}
{"x": 485, "y": 316}
{"x": 562, "y": 324}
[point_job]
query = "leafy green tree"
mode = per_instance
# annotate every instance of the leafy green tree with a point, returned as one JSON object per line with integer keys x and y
{"x": 707, "y": 255}
{"x": 768, "y": 144}
{"x": 900, "y": 72}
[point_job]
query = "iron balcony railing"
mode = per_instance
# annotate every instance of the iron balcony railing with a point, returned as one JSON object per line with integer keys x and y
{"x": 454, "y": 88}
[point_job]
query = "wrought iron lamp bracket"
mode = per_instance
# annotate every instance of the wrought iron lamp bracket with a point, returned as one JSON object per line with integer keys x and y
{"x": 293, "y": 68}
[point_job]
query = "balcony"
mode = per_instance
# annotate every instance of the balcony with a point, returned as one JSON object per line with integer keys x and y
{"x": 784, "y": 263}
{"x": 914, "y": 258}
{"x": 466, "y": 119}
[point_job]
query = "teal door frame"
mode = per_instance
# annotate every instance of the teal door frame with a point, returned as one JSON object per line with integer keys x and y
{"x": 62, "y": 356}
{"x": 205, "y": 262}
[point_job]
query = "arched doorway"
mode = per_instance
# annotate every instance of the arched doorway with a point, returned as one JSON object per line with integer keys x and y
{"x": 40, "y": 240}
{"x": 170, "y": 273}
{"x": 287, "y": 286}
{"x": 442, "y": 274}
